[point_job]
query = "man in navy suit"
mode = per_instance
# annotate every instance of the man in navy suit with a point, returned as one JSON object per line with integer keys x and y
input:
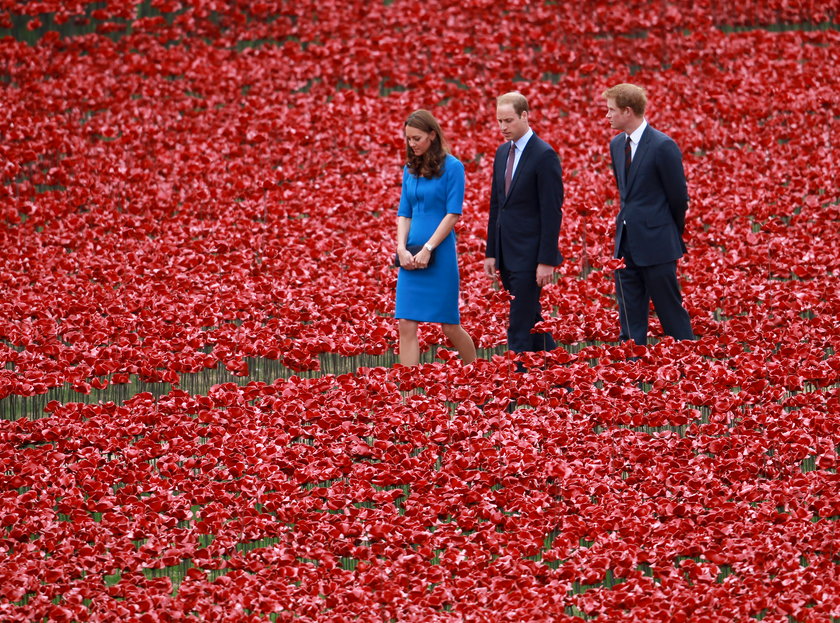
{"x": 651, "y": 182}
{"x": 526, "y": 200}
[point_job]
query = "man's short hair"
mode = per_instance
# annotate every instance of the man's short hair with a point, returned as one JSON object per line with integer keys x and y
{"x": 515, "y": 99}
{"x": 628, "y": 96}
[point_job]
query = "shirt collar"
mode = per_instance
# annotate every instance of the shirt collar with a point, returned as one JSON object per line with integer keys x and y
{"x": 636, "y": 136}
{"x": 523, "y": 140}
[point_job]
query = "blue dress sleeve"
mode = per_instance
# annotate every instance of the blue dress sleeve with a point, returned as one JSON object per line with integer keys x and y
{"x": 454, "y": 185}
{"x": 405, "y": 207}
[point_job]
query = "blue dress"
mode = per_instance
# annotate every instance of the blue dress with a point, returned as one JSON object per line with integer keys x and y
{"x": 431, "y": 294}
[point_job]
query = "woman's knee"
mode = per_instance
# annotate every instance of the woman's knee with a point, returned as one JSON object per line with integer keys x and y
{"x": 451, "y": 330}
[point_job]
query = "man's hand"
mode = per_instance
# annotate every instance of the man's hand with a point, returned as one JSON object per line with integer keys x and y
{"x": 545, "y": 274}
{"x": 490, "y": 267}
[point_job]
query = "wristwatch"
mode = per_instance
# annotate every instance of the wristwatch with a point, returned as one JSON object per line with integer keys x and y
{"x": 428, "y": 247}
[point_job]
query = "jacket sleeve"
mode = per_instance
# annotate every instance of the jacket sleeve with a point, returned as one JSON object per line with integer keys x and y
{"x": 550, "y": 196}
{"x": 612, "y": 161}
{"x": 669, "y": 166}
{"x": 490, "y": 251}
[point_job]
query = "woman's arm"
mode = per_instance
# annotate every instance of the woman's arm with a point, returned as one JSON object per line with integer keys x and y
{"x": 406, "y": 259}
{"x": 404, "y": 214}
{"x": 444, "y": 227}
{"x": 454, "y": 197}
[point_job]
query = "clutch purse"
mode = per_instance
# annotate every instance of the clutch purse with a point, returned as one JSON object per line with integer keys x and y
{"x": 414, "y": 250}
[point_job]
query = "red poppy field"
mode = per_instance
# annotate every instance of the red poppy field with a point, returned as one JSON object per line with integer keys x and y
{"x": 202, "y": 418}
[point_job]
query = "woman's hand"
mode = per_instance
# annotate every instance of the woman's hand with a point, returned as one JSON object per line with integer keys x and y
{"x": 406, "y": 259}
{"x": 421, "y": 260}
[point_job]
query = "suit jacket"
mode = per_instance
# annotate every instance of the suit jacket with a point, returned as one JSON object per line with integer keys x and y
{"x": 524, "y": 226}
{"x": 654, "y": 198}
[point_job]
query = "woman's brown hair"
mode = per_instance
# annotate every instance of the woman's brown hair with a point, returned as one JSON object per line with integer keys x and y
{"x": 430, "y": 164}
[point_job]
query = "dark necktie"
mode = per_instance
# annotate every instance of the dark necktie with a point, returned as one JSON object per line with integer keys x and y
{"x": 628, "y": 154}
{"x": 509, "y": 167}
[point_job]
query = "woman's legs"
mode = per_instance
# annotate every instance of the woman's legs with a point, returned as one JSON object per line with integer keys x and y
{"x": 409, "y": 346}
{"x": 460, "y": 340}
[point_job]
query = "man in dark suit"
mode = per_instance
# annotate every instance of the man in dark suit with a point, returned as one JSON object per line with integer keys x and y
{"x": 651, "y": 182}
{"x": 526, "y": 200}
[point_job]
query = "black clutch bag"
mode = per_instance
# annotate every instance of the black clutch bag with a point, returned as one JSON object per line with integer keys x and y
{"x": 414, "y": 250}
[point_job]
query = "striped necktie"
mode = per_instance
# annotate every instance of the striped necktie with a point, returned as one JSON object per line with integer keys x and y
{"x": 628, "y": 154}
{"x": 509, "y": 167}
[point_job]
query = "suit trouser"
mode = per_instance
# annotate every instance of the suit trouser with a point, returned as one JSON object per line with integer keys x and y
{"x": 636, "y": 286}
{"x": 525, "y": 312}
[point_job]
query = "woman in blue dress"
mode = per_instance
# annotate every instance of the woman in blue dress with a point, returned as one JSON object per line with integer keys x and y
{"x": 430, "y": 205}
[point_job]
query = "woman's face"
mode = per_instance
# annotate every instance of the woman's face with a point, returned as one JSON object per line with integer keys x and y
{"x": 418, "y": 140}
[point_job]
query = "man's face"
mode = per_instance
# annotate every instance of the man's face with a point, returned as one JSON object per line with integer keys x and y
{"x": 619, "y": 117}
{"x": 513, "y": 126}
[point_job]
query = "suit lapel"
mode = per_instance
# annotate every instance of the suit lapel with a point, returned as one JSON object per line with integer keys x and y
{"x": 641, "y": 154}
{"x": 499, "y": 168}
{"x": 523, "y": 159}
